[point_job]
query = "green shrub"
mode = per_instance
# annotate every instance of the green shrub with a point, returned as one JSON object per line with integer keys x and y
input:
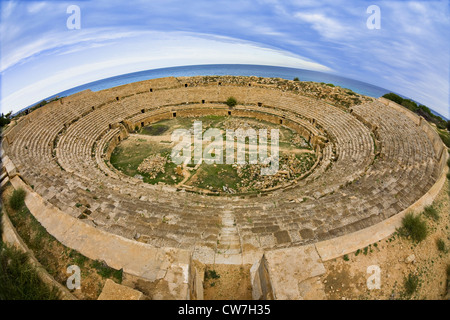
{"x": 431, "y": 212}
{"x": 231, "y": 102}
{"x": 421, "y": 110}
{"x": 411, "y": 284}
{"x": 346, "y": 258}
{"x": 17, "y": 199}
{"x": 4, "y": 120}
{"x": 106, "y": 271}
{"x": 414, "y": 227}
{"x": 296, "y": 79}
{"x": 445, "y": 139}
{"x": 211, "y": 274}
{"x": 19, "y": 279}
{"x": 441, "y": 245}
{"x": 393, "y": 97}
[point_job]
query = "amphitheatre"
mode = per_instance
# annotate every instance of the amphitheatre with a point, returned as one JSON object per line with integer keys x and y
{"x": 368, "y": 162}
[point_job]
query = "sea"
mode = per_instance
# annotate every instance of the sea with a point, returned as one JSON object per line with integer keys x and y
{"x": 233, "y": 70}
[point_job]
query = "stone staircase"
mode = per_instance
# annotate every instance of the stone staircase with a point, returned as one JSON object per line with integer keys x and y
{"x": 228, "y": 244}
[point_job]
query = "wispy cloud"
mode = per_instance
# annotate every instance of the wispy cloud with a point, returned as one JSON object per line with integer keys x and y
{"x": 408, "y": 55}
{"x": 325, "y": 26}
{"x": 139, "y": 51}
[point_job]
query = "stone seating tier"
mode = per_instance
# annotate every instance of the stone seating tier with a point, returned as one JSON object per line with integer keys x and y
{"x": 60, "y": 151}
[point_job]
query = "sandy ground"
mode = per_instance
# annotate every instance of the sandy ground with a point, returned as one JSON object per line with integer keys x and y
{"x": 233, "y": 284}
{"x": 348, "y": 279}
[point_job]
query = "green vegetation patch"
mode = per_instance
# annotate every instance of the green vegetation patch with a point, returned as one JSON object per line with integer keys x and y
{"x": 5, "y": 120}
{"x": 19, "y": 279}
{"x": 231, "y": 102}
{"x": 411, "y": 284}
{"x": 414, "y": 227}
{"x": 441, "y": 245}
{"x": 431, "y": 212}
{"x": 107, "y": 272}
{"x": 52, "y": 255}
{"x": 215, "y": 177}
{"x": 445, "y": 136}
{"x": 134, "y": 156}
{"x": 421, "y": 110}
{"x": 154, "y": 129}
{"x": 17, "y": 199}
{"x": 211, "y": 274}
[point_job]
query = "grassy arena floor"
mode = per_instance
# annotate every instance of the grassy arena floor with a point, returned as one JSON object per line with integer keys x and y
{"x": 156, "y": 139}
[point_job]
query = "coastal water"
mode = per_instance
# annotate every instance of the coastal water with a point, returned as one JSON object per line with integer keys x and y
{"x": 231, "y": 69}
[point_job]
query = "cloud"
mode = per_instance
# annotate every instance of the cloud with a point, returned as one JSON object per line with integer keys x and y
{"x": 35, "y": 7}
{"x": 136, "y": 52}
{"x": 7, "y": 9}
{"x": 325, "y": 26}
{"x": 408, "y": 55}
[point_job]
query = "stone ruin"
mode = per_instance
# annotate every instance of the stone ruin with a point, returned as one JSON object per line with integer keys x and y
{"x": 375, "y": 161}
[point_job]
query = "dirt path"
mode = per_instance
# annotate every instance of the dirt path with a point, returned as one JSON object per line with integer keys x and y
{"x": 233, "y": 282}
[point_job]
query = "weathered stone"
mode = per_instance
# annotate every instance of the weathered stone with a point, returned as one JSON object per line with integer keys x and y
{"x": 410, "y": 259}
{"x": 115, "y": 291}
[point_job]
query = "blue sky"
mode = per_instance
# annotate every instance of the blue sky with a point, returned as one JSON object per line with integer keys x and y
{"x": 40, "y": 57}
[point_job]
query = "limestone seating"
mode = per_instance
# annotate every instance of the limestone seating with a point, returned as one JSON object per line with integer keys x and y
{"x": 338, "y": 197}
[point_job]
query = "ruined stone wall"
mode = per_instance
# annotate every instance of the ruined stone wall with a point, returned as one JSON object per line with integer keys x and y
{"x": 277, "y": 220}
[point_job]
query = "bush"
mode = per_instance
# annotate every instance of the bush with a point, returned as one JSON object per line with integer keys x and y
{"x": 411, "y": 284}
{"x": 445, "y": 137}
{"x": 441, "y": 245}
{"x": 431, "y": 212}
{"x": 393, "y": 97}
{"x": 296, "y": 79}
{"x": 17, "y": 199}
{"x": 414, "y": 227}
{"x": 19, "y": 279}
{"x": 421, "y": 110}
{"x": 4, "y": 120}
{"x": 211, "y": 274}
{"x": 231, "y": 102}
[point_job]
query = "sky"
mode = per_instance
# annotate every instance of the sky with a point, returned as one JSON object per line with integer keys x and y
{"x": 40, "y": 56}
